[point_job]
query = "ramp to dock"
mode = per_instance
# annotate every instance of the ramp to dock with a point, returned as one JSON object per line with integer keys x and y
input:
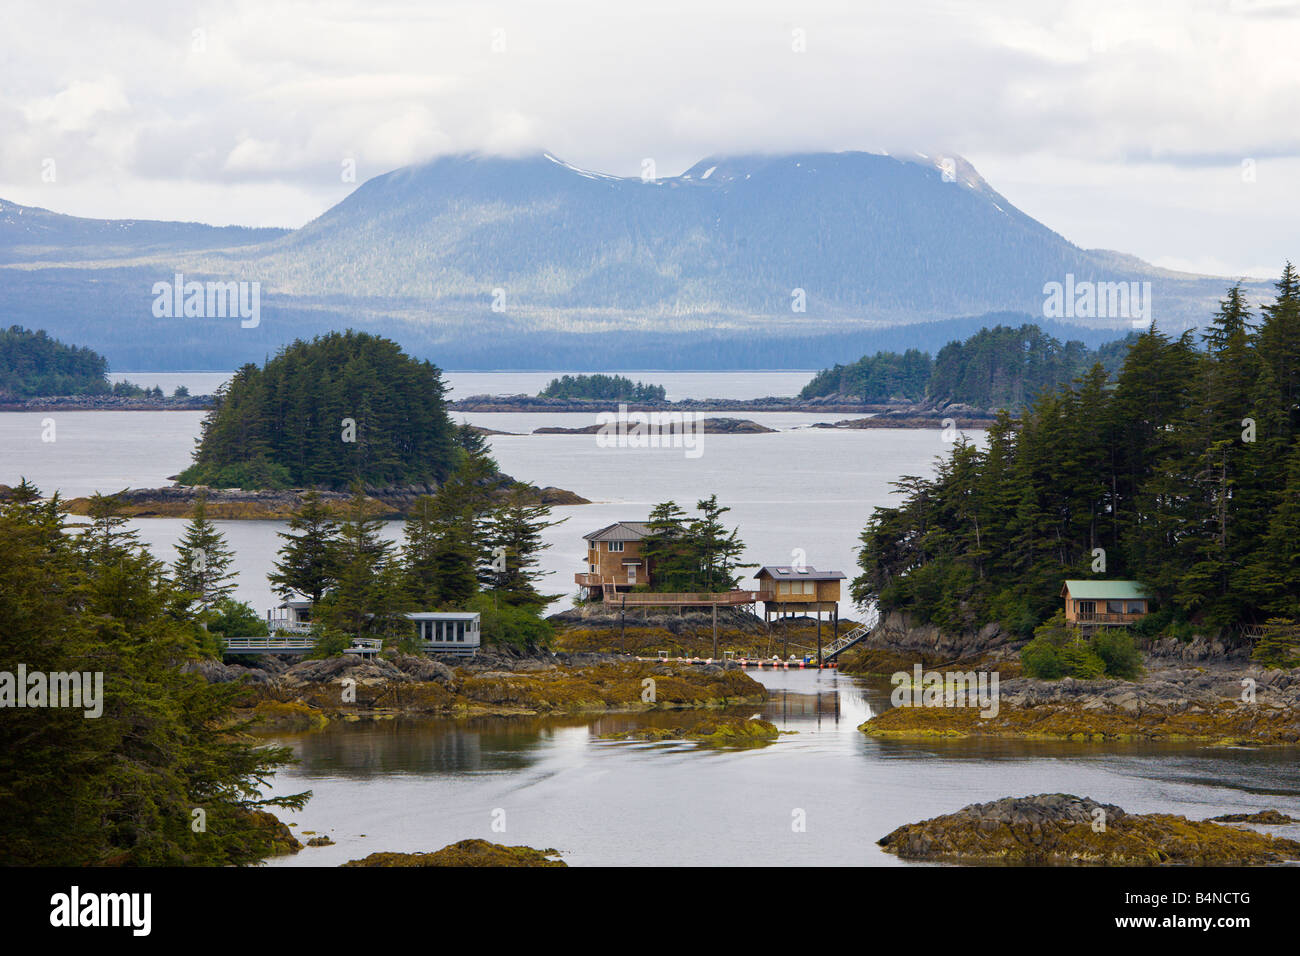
{"x": 842, "y": 644}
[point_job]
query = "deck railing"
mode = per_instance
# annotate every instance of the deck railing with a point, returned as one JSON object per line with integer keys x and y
{"x": 1108, "y": 617}
{"x": 273, "y": 642}
{"x": 673, "y": 598}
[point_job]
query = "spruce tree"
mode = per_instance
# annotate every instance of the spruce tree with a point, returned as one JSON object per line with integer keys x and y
{"x": 203, "y": 562}
{"x": 306, "y": 564}
{"x": 715, "y": 552}
{"x": 363, "y": 601}
{"x": 121, "y": 788}
{"x": 515, "y": 535}
{"x": 666, "y": 549}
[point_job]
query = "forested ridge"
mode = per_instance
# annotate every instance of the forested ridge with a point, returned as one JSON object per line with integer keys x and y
{"x": 1001, "y": 367}
{"x": 1184, "y": 473}
{"x": 345, "y": 407}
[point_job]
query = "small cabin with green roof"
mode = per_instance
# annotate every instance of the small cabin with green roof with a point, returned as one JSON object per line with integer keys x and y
{"x": 1105, "y": 602}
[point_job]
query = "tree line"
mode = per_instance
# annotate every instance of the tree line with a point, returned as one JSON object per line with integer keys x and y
{"x": 165, "y": 774}
{"x": 471, "y": 545}
{"x": 1001, "y": 367}
{"x": 344, "y": 407}
{"x": 692, "y": 554}
{"x": 1183, "y": 473}
{"x": 617, "y": 388}
{"x": 34, "y": 364}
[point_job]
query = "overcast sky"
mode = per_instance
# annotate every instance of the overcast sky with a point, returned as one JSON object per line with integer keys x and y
{"x": 1170, "y": 130}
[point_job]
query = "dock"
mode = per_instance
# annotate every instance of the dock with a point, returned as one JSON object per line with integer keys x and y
{"x": 755, "y": 662}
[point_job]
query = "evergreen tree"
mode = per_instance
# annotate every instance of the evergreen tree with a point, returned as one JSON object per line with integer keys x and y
{"x": 202, "y": 569}
{"x": 365, "y": 600}
{"x": 514, "y": 533}
{"x": 306, "y": 564}
{"x": 666, "y": 549}
{"x": 715, "y": 551}
{"x": 121, "y": 788}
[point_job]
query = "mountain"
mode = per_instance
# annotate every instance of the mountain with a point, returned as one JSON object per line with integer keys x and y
{"x": 480, "y": 261}
{"x": 32, "y": 234}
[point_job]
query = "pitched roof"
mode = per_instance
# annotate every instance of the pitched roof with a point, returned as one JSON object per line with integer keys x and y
{"x": 620, "y": 531}
{"x": 798, "y": 574}
{"x": 1094, "y": 590}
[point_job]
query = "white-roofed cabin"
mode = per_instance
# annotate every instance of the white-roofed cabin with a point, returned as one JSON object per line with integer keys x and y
{"x": 447, "y": 632}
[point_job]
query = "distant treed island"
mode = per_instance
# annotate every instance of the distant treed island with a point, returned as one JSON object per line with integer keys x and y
{"x": 34, "y": 364}
{"x": 616, "y": 387}
{"x": 1001, "y": 367}
{"x": 344, "y": 407}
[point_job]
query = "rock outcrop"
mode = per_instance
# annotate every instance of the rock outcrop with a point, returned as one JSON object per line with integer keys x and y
{"x": 228, "y": 504}
{"x": 466, "y": 853}
{"x": 500, "y": 682}
{"x": 1244, "y": 703}
{"x": 1060, "y": 828}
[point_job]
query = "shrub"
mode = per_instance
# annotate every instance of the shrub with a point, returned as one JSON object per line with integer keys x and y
{"x": 1041, "y": 659}
{"x": 1276, "y": 647}
{"x": 231, "y": 618}
{"x": 501, "y": 623}
{"x": 1057, "y": 652}
{"x": 329, "y": 642}
{"x": 1119, "y": 654}
{"x": 250, "y": 475}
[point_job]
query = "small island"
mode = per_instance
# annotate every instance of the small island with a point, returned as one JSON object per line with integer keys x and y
{"x": 1063, "y": 829}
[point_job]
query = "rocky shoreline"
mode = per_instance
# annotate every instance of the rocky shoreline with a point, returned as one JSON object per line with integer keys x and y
{"x": 110, "y": 403}
{"x": 1063, "y": 829}
{"x": 711, "y": 426}
{"x": 885, "y": 414}
{"x": 229, "y": 504}
{"x": 472, "y": 853}
{"x": 532, "y": 403}
{"x": 1199, "y": 690}
{"x": 593, "y": 628}
{"x": 497, "y": 683}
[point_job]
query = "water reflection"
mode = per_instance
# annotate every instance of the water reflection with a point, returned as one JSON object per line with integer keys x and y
{"x": 410, "y": 785}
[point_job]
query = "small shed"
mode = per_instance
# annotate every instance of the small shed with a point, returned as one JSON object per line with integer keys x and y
{"x": 1105, "y": 602}
{"x": 447, "y": 632}
{"x": 799, "y": 590}
{"x": 798, "y": 585}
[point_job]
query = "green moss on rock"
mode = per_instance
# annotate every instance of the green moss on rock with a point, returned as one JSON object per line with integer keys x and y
{"x": 1066, "y": 829}
{"x": 466, "y": 853}
{"x": 720, "y": 731}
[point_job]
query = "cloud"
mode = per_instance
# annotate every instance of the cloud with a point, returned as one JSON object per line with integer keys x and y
{"x": 73, "y": 107}
{"x": 276, "y": 94}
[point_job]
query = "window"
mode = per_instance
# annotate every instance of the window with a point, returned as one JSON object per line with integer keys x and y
{"x": 614, "y": 545}
{"x": 1114, "y": 607}
{"x": 1137, "y": 607}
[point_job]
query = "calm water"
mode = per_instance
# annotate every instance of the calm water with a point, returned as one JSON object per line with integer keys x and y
{"x": 418, "y": 785}
{"x": 798, "y": 489}
{"x": 731, "y": 385}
